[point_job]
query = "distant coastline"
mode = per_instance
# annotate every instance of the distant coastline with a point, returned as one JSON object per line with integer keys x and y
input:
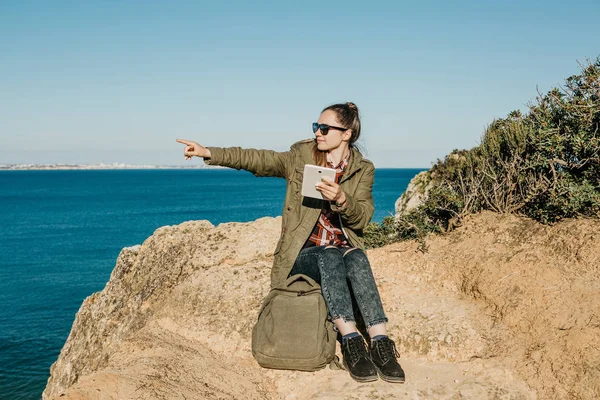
{"x": 102, "y": 166}
{"x": 115, "y": 166}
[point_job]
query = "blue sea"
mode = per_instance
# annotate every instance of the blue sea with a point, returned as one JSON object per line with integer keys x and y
{"x": 61, "y": 233}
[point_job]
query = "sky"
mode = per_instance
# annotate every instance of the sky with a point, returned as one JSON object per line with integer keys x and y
{"x": 119, "y": 81}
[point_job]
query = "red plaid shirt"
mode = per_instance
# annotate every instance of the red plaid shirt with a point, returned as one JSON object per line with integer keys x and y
{"x": 328, "y": 230}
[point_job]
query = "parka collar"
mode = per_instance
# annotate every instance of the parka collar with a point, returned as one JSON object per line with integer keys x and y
{"x": 354, "y": 164}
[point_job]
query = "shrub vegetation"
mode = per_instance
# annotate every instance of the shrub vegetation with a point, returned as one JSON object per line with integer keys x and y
{"x": 544, "y": 165}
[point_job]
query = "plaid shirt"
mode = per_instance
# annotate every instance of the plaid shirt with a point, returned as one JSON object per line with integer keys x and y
{"x": 328, "y": 230}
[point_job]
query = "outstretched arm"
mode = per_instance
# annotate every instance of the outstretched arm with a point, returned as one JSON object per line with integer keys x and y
{"x": 259, "y": 162}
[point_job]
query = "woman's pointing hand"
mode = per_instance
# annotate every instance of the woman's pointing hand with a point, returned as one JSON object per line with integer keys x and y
{"x": 194, "y": 149}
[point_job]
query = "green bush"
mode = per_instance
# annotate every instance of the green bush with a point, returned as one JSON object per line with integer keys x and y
{"x": 377, "y": 235}
{"x": 544, "y": 165}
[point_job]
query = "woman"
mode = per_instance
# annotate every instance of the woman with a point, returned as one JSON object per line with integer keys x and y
{"x": 323, "y": 239}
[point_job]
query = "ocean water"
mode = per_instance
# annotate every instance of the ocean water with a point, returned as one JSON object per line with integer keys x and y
{"x": 61, "y": 232}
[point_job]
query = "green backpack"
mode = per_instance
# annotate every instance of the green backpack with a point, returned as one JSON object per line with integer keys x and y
{"x": 292, "y": 331}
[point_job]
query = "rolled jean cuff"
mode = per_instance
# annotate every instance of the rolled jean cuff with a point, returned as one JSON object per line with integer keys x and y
{"x": 346, "y": 319}
{"x": 376, "y": 322}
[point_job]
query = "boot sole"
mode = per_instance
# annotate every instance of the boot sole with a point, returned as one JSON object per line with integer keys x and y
{"x": 390, "y": 379}
{"x": 361, "y": 379}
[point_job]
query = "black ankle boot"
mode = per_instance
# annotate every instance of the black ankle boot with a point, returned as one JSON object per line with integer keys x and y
{"x": 383, "y": 353}
{"x": 357, "y": 361}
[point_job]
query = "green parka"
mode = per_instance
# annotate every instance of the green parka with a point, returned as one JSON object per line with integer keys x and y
{"x": 300, "y": 214}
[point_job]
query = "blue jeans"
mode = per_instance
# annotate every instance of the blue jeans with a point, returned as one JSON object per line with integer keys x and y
{"x": 341, "y": 271}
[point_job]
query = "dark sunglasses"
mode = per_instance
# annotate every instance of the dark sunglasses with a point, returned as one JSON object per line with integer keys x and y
{"x": 325, "y": 128}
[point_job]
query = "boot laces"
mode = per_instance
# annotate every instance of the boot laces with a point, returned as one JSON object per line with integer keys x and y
{"x": 386, "y": 348}
{"x": 356, "y": 348}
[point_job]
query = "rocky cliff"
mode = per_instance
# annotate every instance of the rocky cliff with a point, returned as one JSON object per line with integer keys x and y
{"x": 502, "y": 307}
{"x": 415, "y": 193}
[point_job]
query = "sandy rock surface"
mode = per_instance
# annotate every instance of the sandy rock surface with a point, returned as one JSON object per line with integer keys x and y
{"x": 501, "y": 308}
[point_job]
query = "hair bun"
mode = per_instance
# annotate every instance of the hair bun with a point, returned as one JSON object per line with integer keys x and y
{"x": 352, "y": 106}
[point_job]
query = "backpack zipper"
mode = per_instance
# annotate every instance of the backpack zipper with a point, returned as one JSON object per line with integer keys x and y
{"x": 304, "y": 292}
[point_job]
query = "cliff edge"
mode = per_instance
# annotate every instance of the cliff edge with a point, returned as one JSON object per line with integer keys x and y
{"x": 502, "y": 307}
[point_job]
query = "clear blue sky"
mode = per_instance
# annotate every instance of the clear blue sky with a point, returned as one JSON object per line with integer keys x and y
{"x": 115, "y": 81}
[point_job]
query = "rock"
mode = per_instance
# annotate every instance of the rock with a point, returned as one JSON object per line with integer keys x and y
{"x": 148, "y": 278}
{"x": 415, "y": 194}
{"x": 472, "y": 317}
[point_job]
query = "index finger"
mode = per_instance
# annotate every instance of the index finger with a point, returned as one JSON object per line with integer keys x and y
{"x": 184, "y": 141}
{"x": 327, "y": 180}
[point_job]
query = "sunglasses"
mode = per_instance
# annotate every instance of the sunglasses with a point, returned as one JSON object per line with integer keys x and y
{"x": 324, "y": 128}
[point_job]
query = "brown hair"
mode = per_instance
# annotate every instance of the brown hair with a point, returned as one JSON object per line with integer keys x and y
{"x": 347, "y": 114}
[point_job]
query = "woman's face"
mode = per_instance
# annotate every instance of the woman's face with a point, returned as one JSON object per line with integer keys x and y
{"x": 334, "y": 138}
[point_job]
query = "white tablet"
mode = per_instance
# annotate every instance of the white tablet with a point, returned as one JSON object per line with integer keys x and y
{"x": 313, "y": 175}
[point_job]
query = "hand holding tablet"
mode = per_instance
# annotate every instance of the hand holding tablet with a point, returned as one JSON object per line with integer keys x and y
{"x": 313, "y": 175}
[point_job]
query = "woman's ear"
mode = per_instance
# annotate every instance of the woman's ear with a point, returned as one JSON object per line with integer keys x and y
{"x": 347, "y": 135}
